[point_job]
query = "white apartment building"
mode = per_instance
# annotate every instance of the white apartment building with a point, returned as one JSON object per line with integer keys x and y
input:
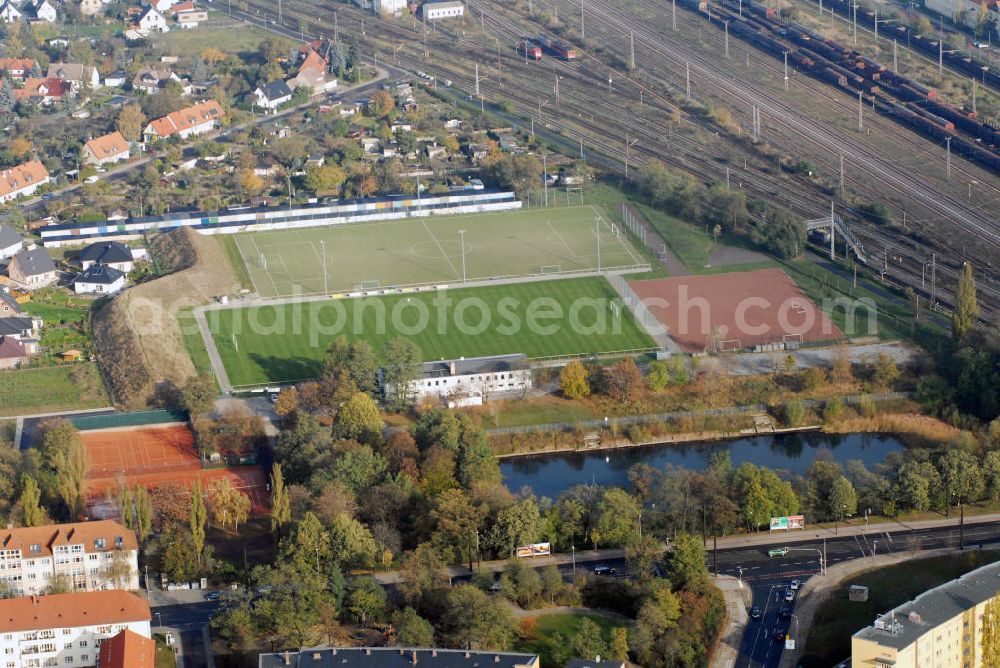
{"x": 66, "y": 630}
{"x": 472, "y": 381}
{"x": 85, "y": 556}
{"x": 442, "y": 9}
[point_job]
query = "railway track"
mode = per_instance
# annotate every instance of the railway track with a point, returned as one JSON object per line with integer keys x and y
{"x": 585, "y": 115}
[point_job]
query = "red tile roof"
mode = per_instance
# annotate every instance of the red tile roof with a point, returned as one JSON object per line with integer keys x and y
{"x": 128, "y": 650}
{"x": 22, "y": 176}
{"x": 67, "y": 611}
{"x": 187, "y": 118}
{"x": 107, "y": 146}
{"x": 34, "y": 88}
{"x": 52, "y": 535}
{"x": 12, "y": 65}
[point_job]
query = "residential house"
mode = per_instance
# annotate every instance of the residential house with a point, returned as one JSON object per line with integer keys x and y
{"x": 42, "y": 92}
{"x": 18, "y": 68}
{"x": 370, "y": 145}
{"x": 178, "y": 7}
{"x": 23, "y": 179}
{"x": 442, "y": 9}
{"x": 128, "y": 650}
{"x": 162, "y": 5}
{"x": 81, "y": 554}
{"x": 313, "y": 75}
{"x": 477, "y": 152}
{"x": 91, "y": 7}
{"x": 9, "y": 308}
{"x": 396, "y": 657}
{"x": 67, "y": 629}
{"x": 108, "y": 253}
{"x": 99, "y": 279}
{"x": 12, "y": 353}
{"x": 24, "y": 328}
{"x": 436, "y": 151}
{"x": 272, "y": 95}
{"x": 195, "y": 120}
{"x": 151, "y": 21}
{"x": 190, "y": 19}
{"x": 116, "y": 79}
{"x": 41, "y": 10}
{"x": 102, "y": 150}
{"x": 80, "y": 76}
{"x": 8, "y": 12}
{"x": 470, "y": 381}
{"x": 151, "y": 81}
{"x": 32, "y": 268}
{"x": 10, "y": 242}
{"x": 386, "y": 8}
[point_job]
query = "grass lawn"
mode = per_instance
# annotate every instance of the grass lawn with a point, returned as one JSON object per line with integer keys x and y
{"x": 433, "y": 251}
{"x": 536, "y": 410}
{"x": 193, "y": 342}
{"x": 235, "y": 38}
{"x": 164, "y": 653}
{"x": 540, "y": 641}
{"x": 838, "y": 619}
{"x": 46, "y": 389}
{"x": 239, "y": 267}
{"x": 540, "y": 319}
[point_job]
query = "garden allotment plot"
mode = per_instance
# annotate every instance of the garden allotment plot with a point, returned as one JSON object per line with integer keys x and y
{"x": 429, "y": 251}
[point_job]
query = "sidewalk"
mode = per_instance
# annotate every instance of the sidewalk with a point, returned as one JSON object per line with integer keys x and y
{"x": 728, "y": 648}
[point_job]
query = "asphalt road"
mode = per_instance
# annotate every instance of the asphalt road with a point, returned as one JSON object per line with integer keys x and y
{"x": 768, "y": 577}
{"x": 189, "y": 620}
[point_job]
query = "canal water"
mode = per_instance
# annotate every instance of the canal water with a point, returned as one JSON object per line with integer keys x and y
{"x": 548, "y": 475}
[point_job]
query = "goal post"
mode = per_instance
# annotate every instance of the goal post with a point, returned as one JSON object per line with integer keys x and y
{"x": 730, "y": 345}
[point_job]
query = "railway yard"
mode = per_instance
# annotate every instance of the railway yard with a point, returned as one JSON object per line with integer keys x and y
{"x": 643, "y": 65}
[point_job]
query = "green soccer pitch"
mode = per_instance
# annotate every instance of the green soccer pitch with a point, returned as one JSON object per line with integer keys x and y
{"x": 285, "y": 342}
{"x": 429, "y": 251}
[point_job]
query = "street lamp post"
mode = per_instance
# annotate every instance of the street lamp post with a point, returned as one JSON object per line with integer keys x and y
{"x": 461, "y": 237}
{"x": 573, "y": 548}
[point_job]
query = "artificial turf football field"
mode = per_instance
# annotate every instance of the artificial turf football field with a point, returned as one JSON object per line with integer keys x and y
{"x": 429, "y": 250}
{"x": 286, "y": 342}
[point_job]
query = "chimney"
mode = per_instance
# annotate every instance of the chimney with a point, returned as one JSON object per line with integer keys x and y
{"x": 368, "y": 651}
{"x": 598, "y": 659}
{"x": 434, "y": 653}
{"x": 496, "y": 658}
{"x": 452, "y": 369}
{"x": 288, "y": 659}
{"x": 413, "y": 657}
{"x": 34, "y": 599}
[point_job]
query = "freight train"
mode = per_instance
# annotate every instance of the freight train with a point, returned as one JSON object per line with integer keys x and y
{"x": 557, "y": 47}
{"x": 529, "y": 49}
{"x": 890, "y": 93}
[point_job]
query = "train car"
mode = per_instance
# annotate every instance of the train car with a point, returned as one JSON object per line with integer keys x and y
{"x": 830, "y": 75}
{"x": 558, "y": 48}
{"x": 529, "y": 49}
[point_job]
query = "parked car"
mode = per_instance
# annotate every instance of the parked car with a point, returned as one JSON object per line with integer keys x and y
{"x": 755, "y": 612}
{"x": 794, "y": 585}
{"x": 777, "y": 552}
{"x": 604, "y": 570}
{"x": 789, "y": 596}
{"x": 213, "y": 595}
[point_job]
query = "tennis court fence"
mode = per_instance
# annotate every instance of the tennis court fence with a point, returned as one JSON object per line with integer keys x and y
{"x": 136, "y": 419}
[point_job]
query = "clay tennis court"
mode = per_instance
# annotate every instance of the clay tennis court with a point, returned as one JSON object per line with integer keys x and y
{"x": 155, "y": 455}
{"x": 734, "y": 311}
{"x": 136, "y": 450}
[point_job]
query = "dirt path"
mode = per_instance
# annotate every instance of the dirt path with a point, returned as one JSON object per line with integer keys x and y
{"x": 668, "y": 259}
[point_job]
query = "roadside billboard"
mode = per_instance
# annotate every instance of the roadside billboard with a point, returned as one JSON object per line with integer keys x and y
{"x": 534, "y": 550}
{"x": 788, "y": 523}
